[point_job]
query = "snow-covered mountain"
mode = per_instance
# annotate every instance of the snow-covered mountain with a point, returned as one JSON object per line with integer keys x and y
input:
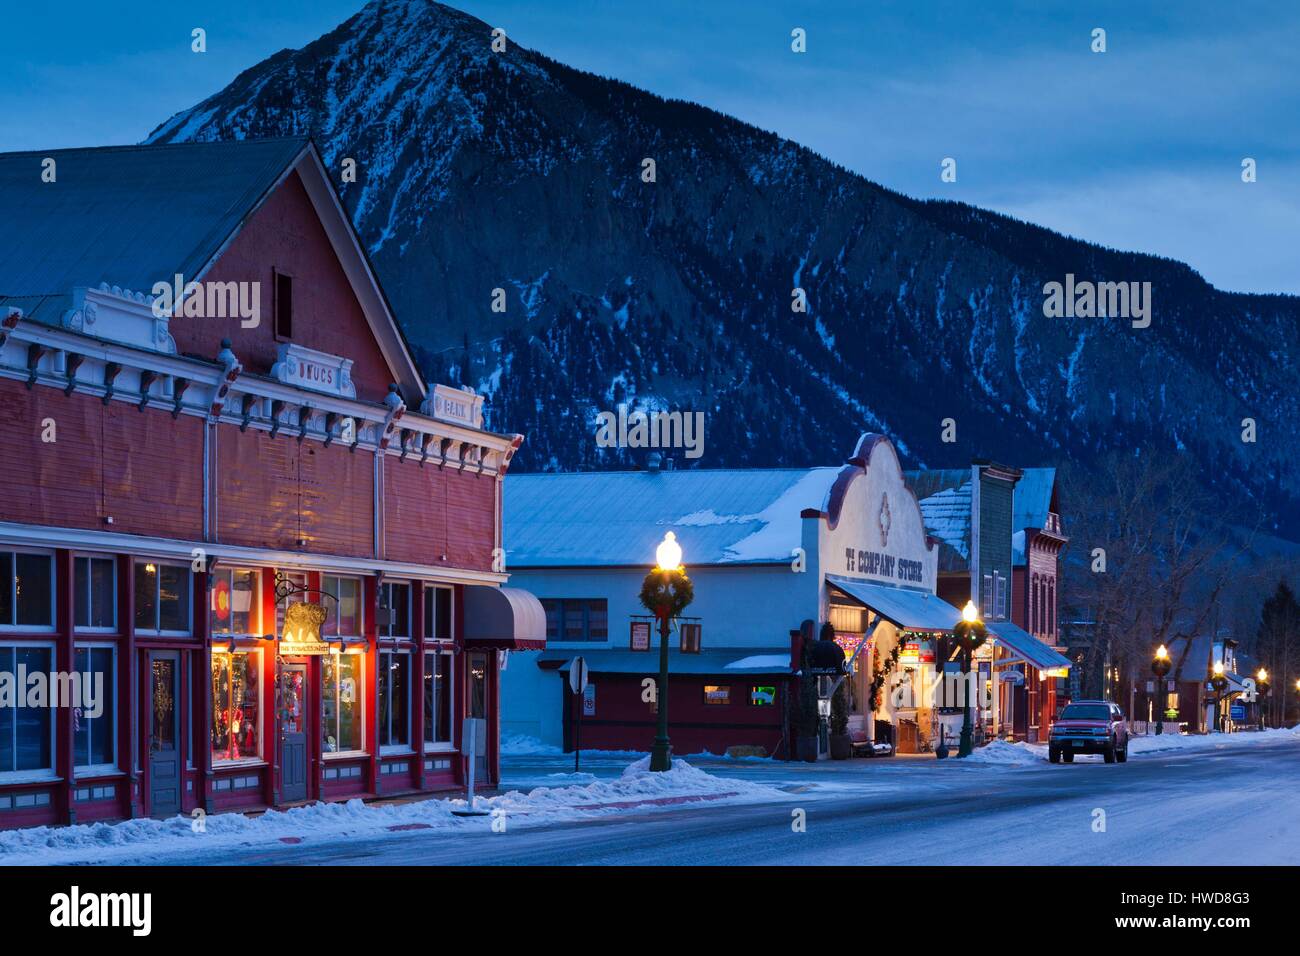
{"x": 480, "y": 170}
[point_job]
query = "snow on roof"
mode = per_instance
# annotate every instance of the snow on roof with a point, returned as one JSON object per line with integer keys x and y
{"x": 1032, "y": 498}
{"x": 616, "y": 519}
{"x": 945, "y": 499}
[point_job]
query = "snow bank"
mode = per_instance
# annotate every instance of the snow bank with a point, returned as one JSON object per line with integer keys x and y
{"x": 180, "y": 838}
{"x": 1008, "y": 754}
{"x": 1160, "y": 743}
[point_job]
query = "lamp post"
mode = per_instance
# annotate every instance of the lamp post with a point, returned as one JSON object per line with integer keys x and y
{"x": 1160, "y": 667}
{"x": 970, "y": 633}
{"x": 1261, "y": 689}
{"x": 1220, "y": 682}
{"x": 665, "y": 592}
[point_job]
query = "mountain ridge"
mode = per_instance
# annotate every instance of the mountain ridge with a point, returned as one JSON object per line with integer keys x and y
{"x": 482, "y": 170}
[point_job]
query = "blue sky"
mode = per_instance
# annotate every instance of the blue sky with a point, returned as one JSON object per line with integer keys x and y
{"x": 1139, "y": 147}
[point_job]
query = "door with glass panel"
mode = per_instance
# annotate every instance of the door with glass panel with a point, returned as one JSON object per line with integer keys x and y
{"x": 293, "y": 732}
{"x": 164, "y": 733}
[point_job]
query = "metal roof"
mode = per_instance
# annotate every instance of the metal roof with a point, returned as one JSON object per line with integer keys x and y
{"x": 945, "y": 499}
{"x": 903, "y": 607}
{"x": 126, "y": 215}
{"x": 616, "y": 519}
{"x": 1032, "y": 498}
{"x": 1026, "y": 647}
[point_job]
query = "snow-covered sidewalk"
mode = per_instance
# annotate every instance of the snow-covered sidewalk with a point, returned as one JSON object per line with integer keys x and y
{"x": 181, "y": 839}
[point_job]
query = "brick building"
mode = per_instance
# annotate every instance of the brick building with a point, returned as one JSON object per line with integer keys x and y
{"x": 244, "y": 517}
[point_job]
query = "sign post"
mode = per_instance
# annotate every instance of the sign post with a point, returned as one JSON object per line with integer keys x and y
{"x": 578, "y": 684}
{"x": 474, "y": 738}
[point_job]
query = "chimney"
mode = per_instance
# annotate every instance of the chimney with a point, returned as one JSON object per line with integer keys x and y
{"x": 653, "y": 461}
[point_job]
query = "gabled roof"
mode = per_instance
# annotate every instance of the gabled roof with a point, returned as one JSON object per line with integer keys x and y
{"x": 131, "y": 216}
{"x": 128, "y": 215}
{"x": 616, "y": 519}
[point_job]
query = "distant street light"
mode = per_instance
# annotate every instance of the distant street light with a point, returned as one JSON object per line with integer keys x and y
{"x": 1160, "y": 667}
{"x": 970, "y": 633}
{"x": 1261, "y": 690}
{"x": 665, "y": 592}
{"x": 1220, "y": 682}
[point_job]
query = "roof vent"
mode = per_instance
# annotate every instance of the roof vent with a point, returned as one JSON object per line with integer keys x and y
{"x": 653, "y": 461}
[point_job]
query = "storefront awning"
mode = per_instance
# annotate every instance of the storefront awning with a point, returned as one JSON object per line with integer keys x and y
{"x": 1024, "y": 646}
{"x": 902, "y": 607}
{"x": 507, "y": 619}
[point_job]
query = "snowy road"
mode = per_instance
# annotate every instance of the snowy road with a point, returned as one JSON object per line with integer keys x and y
{"x": 1236, "y": 805}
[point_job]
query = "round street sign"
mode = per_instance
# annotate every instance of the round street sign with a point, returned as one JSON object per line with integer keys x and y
{"x": 578, "y": 675}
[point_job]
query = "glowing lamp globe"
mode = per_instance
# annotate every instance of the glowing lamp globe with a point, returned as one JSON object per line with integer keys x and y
{"x": 1218, "y": 668}
{"x": 1162, "y": 652}
{"x": 1263, "y": 674}
{"x": 669, "y": 553}
{"x": 969, "y": 613}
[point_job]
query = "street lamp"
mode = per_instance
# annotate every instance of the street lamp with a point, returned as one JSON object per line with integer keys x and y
{"x": 1220, "y": 682}
{"x": 1261, "y": 689}
{"x": 970, "y": 633}
{"x": 665, "y": 593}
{"x": 1160, "y": 667}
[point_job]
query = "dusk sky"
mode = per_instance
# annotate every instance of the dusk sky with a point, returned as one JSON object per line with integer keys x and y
{"x": 1138, "y": 148}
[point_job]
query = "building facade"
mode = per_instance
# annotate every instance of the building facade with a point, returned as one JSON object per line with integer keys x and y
{"x": 773, "y": 554}
{"x": 263, "y": 550}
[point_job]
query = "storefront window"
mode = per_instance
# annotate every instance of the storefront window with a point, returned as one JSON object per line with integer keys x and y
{"x": 162, "y": 598}
{"x": 437, "y": 613}
{"x": 478, "y": 685}
{"x": 236, "y": 705}
{"x": 576, "y": 619}
{"x": 94, "y": 725}
{"x": 395, "y": 610}
{"x": 342, "y": 711}
{"x": 394, "y": 687}
{"x": 762, "y": 695}
{"x": 236, "y": 601}
{"x": 717, "y": 694}
{"x": 95, "y": 582}
{"x": 26, "y": 733}
{"x": 26, "y": 590}
{"x": 345, "y": 618}
{"x": 437, "y": 699}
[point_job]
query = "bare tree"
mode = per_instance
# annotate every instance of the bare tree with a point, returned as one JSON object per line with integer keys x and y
{"x": 1159, "y": 551}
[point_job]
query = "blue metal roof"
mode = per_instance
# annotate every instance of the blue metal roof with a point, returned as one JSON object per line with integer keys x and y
{"x": 126, "y": 215}
{"x": 616, "y": 519}
{"x": 1026, "y": 647}
{"x": 903, "y": 607}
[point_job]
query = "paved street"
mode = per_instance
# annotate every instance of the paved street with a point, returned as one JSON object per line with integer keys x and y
{"x": 1233, "y": 805}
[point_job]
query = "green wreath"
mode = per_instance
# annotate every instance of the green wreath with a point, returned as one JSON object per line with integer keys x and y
{"x": 666, "y": 593}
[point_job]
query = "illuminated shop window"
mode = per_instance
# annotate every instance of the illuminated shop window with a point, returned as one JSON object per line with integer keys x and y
{"x": 26, "y": 590}
{"x": 236, "y": 705}
{"x": 762, "y": 695}
{"x": 717, "y": 694}
{"x": 94, "y": 718}
{"x": 95, "y": 584}
{"x": 394, "y": 687}
{"x": 26, "y": 733}
{"x": 341, "y": 727}
{"x": 437, "y": 700}
{"x": 236, "y": 601}
{"x": 162, "y": 598}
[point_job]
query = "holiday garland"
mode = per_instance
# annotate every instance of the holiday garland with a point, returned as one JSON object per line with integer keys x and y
{"x": 881, "y": 673}
{"x": 666, "y": 593}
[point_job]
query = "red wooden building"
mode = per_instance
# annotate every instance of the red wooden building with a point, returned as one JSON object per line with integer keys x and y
{"x": 244, "y": 518}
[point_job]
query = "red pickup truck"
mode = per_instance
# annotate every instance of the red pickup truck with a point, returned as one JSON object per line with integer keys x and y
{"x": 1089, "y": 727}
